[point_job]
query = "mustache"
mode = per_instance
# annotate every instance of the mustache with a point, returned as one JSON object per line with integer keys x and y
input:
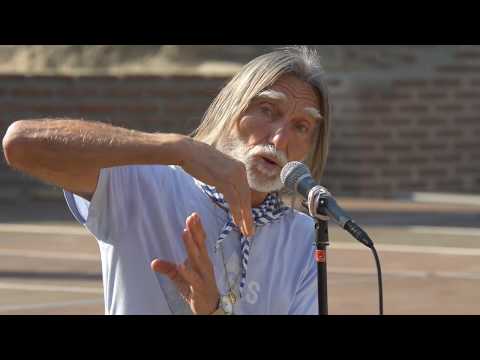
{"x": 272, "y": 151}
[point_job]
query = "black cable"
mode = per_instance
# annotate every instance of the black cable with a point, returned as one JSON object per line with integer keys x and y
{"x": 379, "y": 272}
{"x": 359, "y": 234}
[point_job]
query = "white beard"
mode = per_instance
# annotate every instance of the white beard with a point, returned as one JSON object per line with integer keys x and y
{"x": 259, "y": 177}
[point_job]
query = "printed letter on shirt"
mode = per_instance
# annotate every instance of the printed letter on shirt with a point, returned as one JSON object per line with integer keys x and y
{"x": 252, "y": 293}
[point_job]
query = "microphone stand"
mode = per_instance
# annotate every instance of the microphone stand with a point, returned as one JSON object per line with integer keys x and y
{"x": 321, "y": 243}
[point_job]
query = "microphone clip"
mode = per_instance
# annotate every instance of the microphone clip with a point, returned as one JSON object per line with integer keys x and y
{"x": 317, "y": 203}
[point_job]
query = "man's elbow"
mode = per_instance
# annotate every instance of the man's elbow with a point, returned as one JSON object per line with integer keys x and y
{"x": 14, "y": 144}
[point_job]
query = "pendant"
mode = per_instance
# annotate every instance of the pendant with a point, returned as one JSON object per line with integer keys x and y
{"x": 232, "y": 297}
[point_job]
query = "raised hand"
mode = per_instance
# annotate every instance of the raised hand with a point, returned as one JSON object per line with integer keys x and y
{"x": 195, "y": 278}
{"x": 228, "y": 175}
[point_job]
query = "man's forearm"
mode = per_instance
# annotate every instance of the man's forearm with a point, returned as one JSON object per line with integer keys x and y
{"x": 70, "y": 153}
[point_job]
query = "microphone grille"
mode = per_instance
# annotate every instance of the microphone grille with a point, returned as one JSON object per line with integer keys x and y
{"x": 291, "y": 172}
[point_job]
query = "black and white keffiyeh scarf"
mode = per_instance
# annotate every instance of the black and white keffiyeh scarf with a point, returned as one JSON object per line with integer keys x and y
{"x": 271, "y": 210}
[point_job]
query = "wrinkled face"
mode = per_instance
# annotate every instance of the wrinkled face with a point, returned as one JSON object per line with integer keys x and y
{"x": 278, "y": 126}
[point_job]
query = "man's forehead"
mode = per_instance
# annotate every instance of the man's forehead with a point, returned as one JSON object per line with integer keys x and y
{"x": 294, "y": 86}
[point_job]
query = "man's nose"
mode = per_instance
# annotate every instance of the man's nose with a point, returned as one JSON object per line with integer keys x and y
{"x": 280, "y": 136}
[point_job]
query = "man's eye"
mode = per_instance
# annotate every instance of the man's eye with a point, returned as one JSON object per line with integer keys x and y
{"x": 304, "y": 129}
{"x": 267, "y": 110}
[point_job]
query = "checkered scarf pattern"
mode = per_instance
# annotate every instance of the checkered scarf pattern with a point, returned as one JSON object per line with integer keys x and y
{"x": 271, "y": 210}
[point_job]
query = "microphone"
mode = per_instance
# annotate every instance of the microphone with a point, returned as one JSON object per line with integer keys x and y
{"x": 296, "y": 177}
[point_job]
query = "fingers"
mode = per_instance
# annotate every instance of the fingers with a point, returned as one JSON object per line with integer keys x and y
{"x": 163, "y": 267}
{"x": 233, "y": 200}
{"x": 195, "y": 227}
{"x": 240, "y": 207}
{"x": 245, "y": 197}
{"x": 194, "y": 238}
{"x": 195, "y": 278}
{"x": 197, "y": 253}
{"x": 187, "y": 274}
{"x": 229, "y": 176}
{"x": 178, "y": 274}
{"x": 191, "y": 248}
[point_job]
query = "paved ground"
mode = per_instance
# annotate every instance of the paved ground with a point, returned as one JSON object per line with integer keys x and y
{"x": 430, "y": 255}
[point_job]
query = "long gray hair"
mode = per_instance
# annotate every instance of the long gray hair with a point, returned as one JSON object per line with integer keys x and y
{"x": 255, "y": 77}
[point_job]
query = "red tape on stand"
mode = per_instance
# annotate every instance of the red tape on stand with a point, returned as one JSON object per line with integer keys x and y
{"x": 321, "y": 256}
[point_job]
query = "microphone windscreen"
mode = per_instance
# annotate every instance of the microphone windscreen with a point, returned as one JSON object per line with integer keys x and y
{"x": 291, "y": 172}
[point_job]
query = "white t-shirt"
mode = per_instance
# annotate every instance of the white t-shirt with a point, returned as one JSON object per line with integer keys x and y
{"x": 138, "y": 213}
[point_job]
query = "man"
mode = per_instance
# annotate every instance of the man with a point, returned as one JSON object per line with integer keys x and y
{"x": 202, "y": 212}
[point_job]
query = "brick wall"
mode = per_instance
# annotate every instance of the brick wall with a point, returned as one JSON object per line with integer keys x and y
{"x": 399, "y": 127}
{"x": 413, "y": 135}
